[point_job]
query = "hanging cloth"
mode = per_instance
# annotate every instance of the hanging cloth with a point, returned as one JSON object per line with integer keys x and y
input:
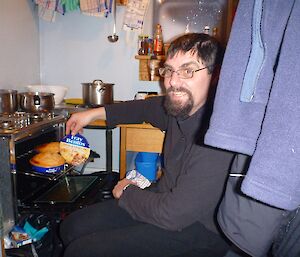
{"x": 70, "y": 5}
{"x": 47, "y": 9}
{"x": 98, "y": 8}
{"x": 134, "y": 19}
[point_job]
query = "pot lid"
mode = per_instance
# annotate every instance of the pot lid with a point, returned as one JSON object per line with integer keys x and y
{"x": 98, "y": 82}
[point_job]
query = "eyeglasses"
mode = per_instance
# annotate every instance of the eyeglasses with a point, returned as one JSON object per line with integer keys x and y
{"x": 184, "y": 73}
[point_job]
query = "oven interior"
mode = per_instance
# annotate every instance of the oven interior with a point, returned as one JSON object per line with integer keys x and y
{"x": 39, "y": 191}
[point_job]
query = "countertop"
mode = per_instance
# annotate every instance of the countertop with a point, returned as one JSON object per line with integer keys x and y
{"x": 68, "y": 109}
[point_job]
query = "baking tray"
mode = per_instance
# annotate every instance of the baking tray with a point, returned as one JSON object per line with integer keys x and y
{"x": 67, "y": 190}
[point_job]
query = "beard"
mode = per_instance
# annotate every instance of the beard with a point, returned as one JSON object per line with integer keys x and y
{"x": 178, "y": 108}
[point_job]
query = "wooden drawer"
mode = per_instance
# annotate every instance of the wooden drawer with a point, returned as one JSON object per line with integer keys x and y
{"x": 147, "y": 140}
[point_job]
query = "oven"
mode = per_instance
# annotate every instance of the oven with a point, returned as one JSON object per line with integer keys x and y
{"x": 25, "y": 191}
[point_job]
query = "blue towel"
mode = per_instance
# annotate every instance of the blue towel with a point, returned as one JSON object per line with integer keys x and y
{"x": 236, "y": 125}
{"x": 274, "y": 173}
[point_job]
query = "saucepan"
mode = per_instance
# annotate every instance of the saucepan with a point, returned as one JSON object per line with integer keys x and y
{"x": 97, "y": 93}
{"x": 8, "y": 101}
{"x": 36, "y": 102}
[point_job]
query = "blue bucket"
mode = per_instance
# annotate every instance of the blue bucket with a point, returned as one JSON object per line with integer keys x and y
{"x": 146, "y": 164}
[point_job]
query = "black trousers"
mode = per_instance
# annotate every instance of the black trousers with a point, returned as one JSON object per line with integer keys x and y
{"x": 106, "y": 230}
{"x": 287, "y": 243}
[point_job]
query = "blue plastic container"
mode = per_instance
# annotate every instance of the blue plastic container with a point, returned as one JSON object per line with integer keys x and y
{"x": 146, "y": 164}
{"x": 55, "y": 169}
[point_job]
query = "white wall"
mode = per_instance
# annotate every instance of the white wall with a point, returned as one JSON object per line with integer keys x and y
{"x": 19, "y": 44}
{"x": 75, "y": 49}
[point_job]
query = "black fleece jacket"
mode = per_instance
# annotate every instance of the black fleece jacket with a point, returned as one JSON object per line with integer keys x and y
{"x": 193, "y": 174}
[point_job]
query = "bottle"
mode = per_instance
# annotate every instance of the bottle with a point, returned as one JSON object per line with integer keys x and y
{"x": 215, "y": 32}
{"x": 207, "y": 30}
{"x": 158, "y": 43}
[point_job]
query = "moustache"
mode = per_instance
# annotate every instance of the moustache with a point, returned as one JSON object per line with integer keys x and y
{"x": 180, "y": 89}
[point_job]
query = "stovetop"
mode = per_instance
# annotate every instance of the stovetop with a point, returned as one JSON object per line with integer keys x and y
{"x": 20, "y": 121}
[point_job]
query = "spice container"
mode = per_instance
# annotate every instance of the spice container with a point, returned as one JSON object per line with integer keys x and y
{"x": 150, "y": 46}
{"x": 139, "y": 43}
{"x": 143, "y": 45}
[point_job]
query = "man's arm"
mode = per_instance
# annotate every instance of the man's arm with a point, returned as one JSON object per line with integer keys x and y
{"x": 150, "y": 110}
{"x": 130, "y": 112}
{"x": 80, "y": 119}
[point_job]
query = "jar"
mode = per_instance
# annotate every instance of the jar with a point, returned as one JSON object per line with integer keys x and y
{"x": 150, "y": 46}
{"x": 144, "y": 46}
{"x": 139, "y": 43}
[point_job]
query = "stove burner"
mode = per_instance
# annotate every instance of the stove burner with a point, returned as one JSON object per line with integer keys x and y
{"x": 5, "y": 115}
{"x": 6, "y": 124}
{"x": 41, "y": 116}
{"x": 16, "y": 121}
{"x": 35, "y": 117}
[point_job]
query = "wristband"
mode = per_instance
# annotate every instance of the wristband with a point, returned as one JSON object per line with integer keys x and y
{"x": 124, "y": 188}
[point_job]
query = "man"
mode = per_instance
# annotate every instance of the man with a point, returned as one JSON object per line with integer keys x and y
{"x": 176, "y": 215}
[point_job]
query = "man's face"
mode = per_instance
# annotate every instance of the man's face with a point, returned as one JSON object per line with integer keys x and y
{"x": 186, "y": 96}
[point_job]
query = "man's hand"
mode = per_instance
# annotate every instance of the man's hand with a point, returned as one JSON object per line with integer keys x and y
{"x": 80, "y": 119}
{"x": 119, "y": 188}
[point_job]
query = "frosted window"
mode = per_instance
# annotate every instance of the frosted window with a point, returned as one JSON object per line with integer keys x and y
{"x": 181, "y": 16}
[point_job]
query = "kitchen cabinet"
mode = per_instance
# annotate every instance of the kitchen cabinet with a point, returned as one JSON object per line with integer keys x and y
{"x": 138, "y": 138}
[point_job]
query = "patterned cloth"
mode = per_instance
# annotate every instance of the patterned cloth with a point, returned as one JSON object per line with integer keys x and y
{"x": 134, "y": 15}
{"x": 138, "y": 178}
{"x": 47, "y": 9}
{"x": 70, "y": 5}
{"x": 99, "y": 8}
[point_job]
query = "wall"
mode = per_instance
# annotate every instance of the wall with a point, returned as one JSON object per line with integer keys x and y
{"x": 75, "y": 49}
{"x": 19, "y": 44}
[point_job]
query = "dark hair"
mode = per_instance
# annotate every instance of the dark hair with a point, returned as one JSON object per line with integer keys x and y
{"x": 206, "y": 47}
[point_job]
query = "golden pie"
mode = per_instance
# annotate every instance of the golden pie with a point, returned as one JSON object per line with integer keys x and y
{"x": 47, "y": 160}
{"x": 52, "y": 147}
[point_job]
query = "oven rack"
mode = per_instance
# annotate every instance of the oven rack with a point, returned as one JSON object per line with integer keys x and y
{"x": 25, "y": 168}
{"x": 49, "y": 176}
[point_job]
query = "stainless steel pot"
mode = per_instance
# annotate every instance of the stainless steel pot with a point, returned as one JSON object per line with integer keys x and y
{"x": 36, "y": 102}
{"x": 97, "y": 93}
{"x": 8, "y": 101}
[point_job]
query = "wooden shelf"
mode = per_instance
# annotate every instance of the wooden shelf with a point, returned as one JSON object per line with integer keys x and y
{"x": 148, "y": 57}
{"x": 144, "y": 67}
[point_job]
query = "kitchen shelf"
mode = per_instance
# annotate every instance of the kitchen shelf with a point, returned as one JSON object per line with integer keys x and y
{"x": 148, "y": 57}
{"x": 144, "y": 67}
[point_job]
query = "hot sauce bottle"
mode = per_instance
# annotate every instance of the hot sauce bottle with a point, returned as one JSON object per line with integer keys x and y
{"x": 158, "y": 43}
